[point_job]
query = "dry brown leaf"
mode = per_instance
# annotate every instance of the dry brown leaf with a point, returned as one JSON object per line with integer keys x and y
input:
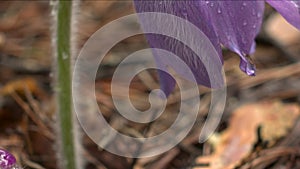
{"x": 236, "y": 142}
{"x": 20, "y": 86}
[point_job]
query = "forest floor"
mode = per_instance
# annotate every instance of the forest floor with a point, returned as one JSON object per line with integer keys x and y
{"x": 260, "y": 127}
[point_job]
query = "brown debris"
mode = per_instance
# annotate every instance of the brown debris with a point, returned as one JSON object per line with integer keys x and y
{"x": 273, "y": 118}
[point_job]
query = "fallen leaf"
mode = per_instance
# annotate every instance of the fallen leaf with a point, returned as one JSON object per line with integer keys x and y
{"x": 236, "y": 142}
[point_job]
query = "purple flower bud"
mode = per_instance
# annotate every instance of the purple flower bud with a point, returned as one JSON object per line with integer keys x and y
{"x": 7, "y": 160}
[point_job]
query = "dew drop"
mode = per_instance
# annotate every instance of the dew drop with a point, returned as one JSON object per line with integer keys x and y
{"x": 244, "y": 41}
{"x": 258, "y": 14}
{"x": 245, "y": 23}
{"x": 254, "y": 26}
{"x": 219, "y": 11}
{"x": 244, "y": 4}
{"x": 65, "y": 56}
{"x": 212, "y": 4}
{"x": 250, "y": 69}
{"x": 228, "y": 36}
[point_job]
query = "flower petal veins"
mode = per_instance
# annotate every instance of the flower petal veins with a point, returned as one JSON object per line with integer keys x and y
{"x": 191, "y": 11}
{"x": 233, "y": 24}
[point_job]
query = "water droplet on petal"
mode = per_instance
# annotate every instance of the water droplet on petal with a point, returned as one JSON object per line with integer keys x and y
{"x": 254, "y": 26}
{"x": 229, "y": 38}
{"x": 248, "y": 66}
{"x": 244, "y": 40}
{"x": 244, "y": 4}
{"x": 250, "y": 69}
{"x": 219, "y": 11}
{"x": 258, "y": 14}
{"x": 212, "y": 4}
{"x": 244, "y": 23}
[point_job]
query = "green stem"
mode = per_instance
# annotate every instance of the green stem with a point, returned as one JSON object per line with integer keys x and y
{"x": 64, "y": 98}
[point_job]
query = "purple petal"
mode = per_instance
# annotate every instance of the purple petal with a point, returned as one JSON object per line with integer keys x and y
{"x": 7, "y": 160}
{"x": 196, "y": 13}
{"x": 289, "y": 9}
{"x": 236, "y": 24}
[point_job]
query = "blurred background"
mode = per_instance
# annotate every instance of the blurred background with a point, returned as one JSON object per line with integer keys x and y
{"x": 260, "y": 127}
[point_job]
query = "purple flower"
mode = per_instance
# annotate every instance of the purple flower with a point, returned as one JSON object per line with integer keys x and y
{"x": 233, "y": 24}
{"x": 7, "y": 160}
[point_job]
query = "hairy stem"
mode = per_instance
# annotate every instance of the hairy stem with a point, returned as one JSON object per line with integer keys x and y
{"x": 61, "y": 42}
